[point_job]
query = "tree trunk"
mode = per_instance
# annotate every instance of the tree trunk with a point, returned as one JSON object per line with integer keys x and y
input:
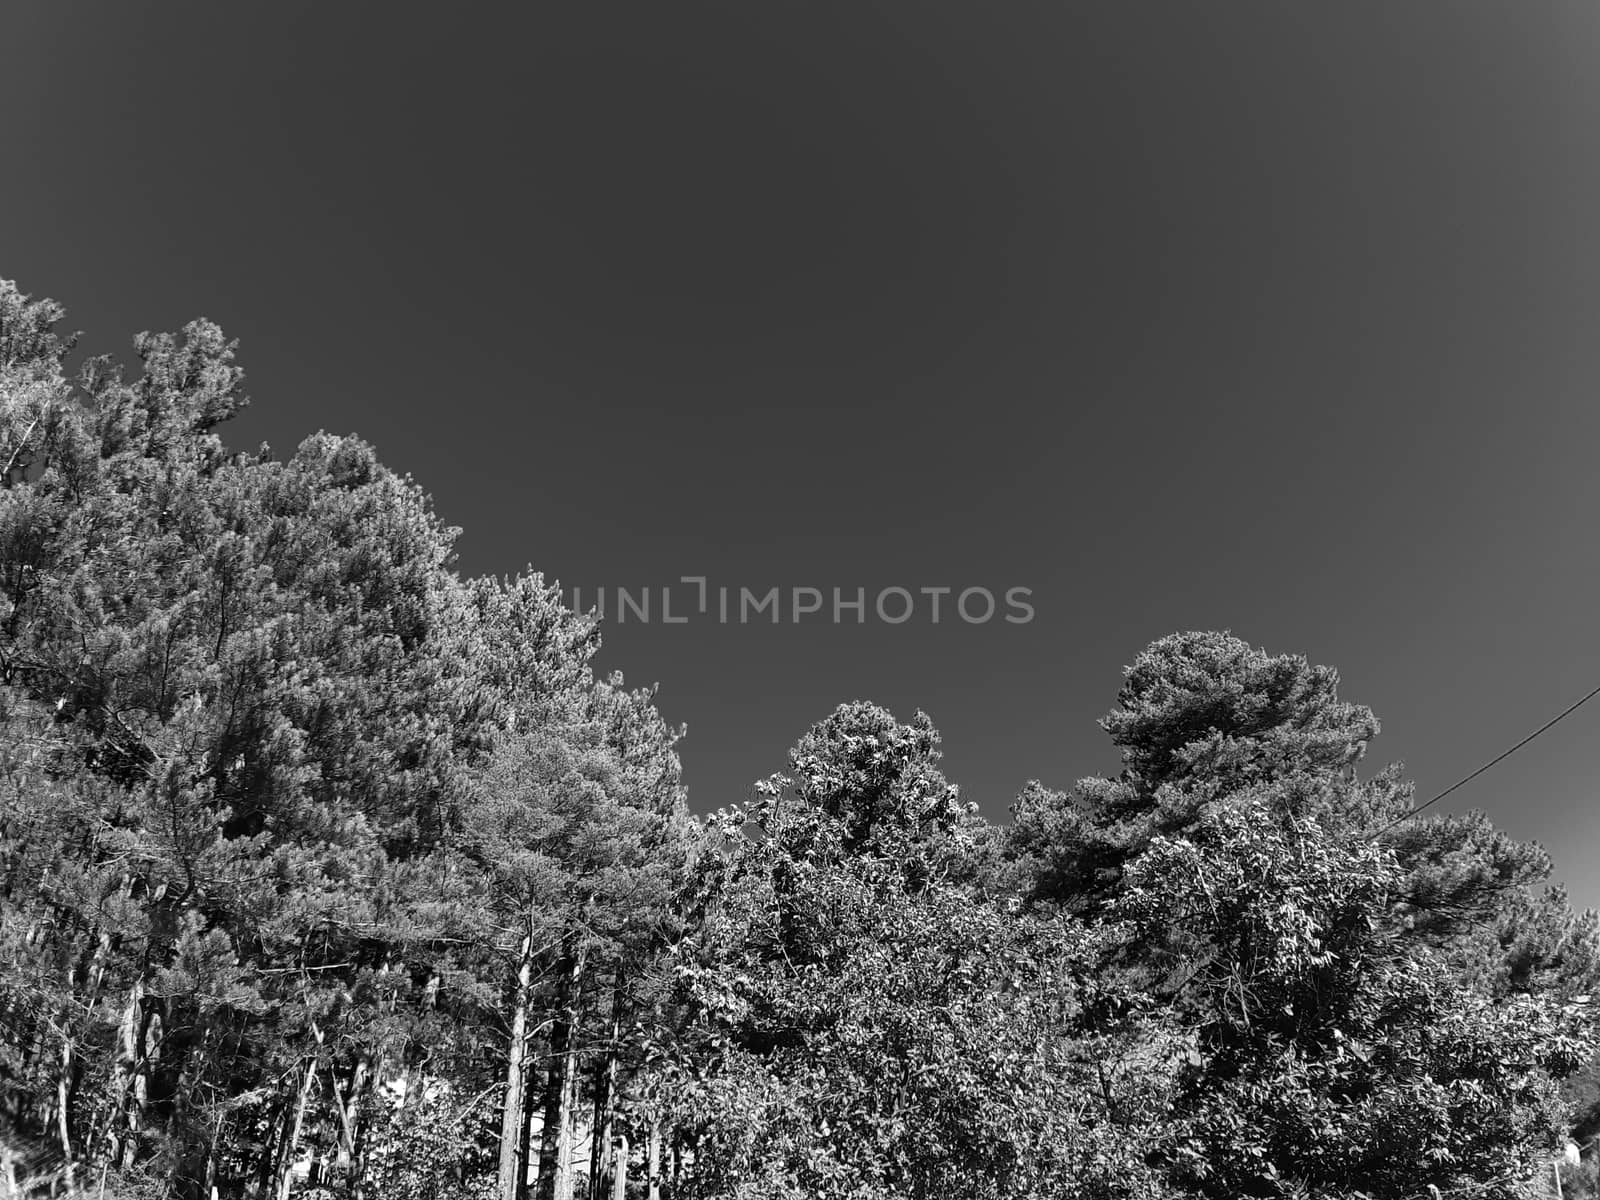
{"x": 267, "y": 1164}
{"x": 601, "y": 1148}
{"x": 619, "y": 1168}
{"x": 652, "y": 1161}
{"x": 551, "y": 1107}
{"x": 292, "y": 1142}
{"x": 210, "y": 1182}
{"x": 121, "y": 1122}
{"x": 512, "y": 1165}
{"x": 90, "y": 972}
{"x": 347, "y": 1102}
{"x": 527, "y": 1149}
{"x": 152, "y": 1032}
{"x": 560, "y": 1093}
{"x": 63, "y": 1107}
{"x": 605, "y": 1119}
{"x": 600, "y": 1134}
{"x": 564, "y": 1181}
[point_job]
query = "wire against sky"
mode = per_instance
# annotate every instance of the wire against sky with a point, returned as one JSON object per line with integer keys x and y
{"x": 1501, "y": 757}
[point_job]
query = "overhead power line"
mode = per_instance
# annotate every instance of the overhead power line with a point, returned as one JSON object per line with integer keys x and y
{"x": 1501, "y": 757}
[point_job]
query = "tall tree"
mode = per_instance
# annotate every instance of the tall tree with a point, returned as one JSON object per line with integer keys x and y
{"x": 1201, "y": 715}
{"x": 248, "y": 676}
{"x": 864, "y": 1025}
{"x": 1305, "y": 933}
{"x": 578, "y": 836}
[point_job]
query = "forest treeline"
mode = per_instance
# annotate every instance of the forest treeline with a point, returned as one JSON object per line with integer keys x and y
{"x": 326, "y": 871}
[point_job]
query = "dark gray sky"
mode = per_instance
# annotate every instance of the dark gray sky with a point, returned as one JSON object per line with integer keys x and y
{"x": 1276, "y": 318}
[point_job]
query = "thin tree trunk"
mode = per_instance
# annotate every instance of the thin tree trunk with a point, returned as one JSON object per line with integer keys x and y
{"x": 555, "y": 1158}
{"x": 512, "y": 1164}
{"x": 347, "y": 1104}
{"x": 550, "y": 1104}
{"x": 602, "y": 1157}
{"x": 63, "y": 1106}
{"x": 527, "y": 1149}
{"x": 210, "y": 1183}
{"x": 149, "y": 1050}
{"x": 91, "y": 971}
{"x": 292, "y": 1142}
{"x": 267, "y": 1170}
{"x": 600, "y": 1128}
{"x": 652, "y": 1161}
{"x": 119, "y": 1146}
{"x": 619, "y": 1168}
{"x": 131, "y": 1089}
{"x": 564, "y": 1181}
{"x": 600, "y": 1135}
{"x": 344, "y": 1133}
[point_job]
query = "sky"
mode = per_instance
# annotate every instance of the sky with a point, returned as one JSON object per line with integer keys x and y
{"x": 1280, "y": 319}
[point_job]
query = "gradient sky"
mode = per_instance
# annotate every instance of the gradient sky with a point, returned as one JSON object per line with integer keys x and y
{"x": 1271, "y": 317}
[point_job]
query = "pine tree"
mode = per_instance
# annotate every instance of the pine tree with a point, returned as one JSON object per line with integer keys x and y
{"x": 1311, "y": 942}
{"x": 245, "y": 676}
{"x": 865, "y": 1024}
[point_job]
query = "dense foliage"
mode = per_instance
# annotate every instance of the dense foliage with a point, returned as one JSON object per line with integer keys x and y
{"x": 325, "y": 870}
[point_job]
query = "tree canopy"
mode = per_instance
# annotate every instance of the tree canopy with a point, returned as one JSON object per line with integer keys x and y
{"x": 324, "y": 869}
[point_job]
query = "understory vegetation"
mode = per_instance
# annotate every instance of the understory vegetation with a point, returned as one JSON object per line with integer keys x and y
{"x": 326, "y": 871}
